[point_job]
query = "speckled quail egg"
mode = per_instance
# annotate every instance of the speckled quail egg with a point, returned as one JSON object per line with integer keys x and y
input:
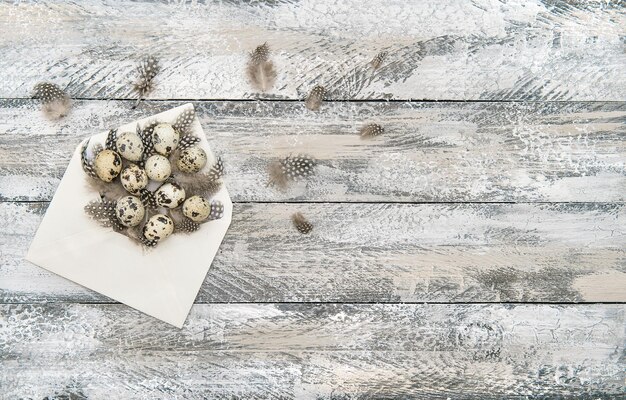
{"x": 129, "y": 146}
{"x": 107, "y": 165}
{"x": 192, "y": 159}
{"x": 158, "y": 227}
{"x": 165, "y": 139}
{"x": 158, "y": 167}
{"x": 129, "y": 211}
{"x": 196, "y": 208}
{"x": 170, "y": 195}
{"x": 134, "y": 179}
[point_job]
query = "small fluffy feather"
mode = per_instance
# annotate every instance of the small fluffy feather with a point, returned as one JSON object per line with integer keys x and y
{"x": 301, "y": 223}
{"x": 201, "y": 184}
{"x": 55, "y": 102}
{"x": 291, "y": 168}
{"x": 260, "y": 70}
{"x": 371, "y": 130}
{"x": 378, "y": 60}
{"x": 315, "y": 98}
{"x": 147, "y": 69}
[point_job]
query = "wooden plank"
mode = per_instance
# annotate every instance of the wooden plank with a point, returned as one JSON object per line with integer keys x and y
{"x": 430, "y": 152}
{"x": 380, "y": 253}
{"x": 518, "y": 50}
{"x": 332, "y": 351}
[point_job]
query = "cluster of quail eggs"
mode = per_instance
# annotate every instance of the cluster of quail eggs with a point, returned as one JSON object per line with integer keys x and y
{"x": 130, "y": 211}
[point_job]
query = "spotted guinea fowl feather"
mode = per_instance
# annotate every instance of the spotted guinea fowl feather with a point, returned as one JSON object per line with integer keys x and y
{"x": 103, "y": 211}
{"x": 291, "y": 168}
{"x": 301, "y": 223}
{"x": 55, "y": 102}
{"x": 371, "y": 130}
{"x": 187, "y": 141}
{"x": 378, "y": 60}
{"x": 314, "y": 100}
{"x": 86, "y": 162}
{"x": 184, "y": 121}
{"x": 260, "y": 69}
{"x": 111, "y": 140}
{"x": 147, "y": 70}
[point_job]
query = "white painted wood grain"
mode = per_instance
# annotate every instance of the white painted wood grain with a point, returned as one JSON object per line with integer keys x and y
{"x": 330, "y": 351}
{"x": 380, "y": 253}
{"x": 433, "y": 152}
{"x": 483, "y": 49}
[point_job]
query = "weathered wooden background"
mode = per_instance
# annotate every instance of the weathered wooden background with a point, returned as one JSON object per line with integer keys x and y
{"x": 501, "y": 178}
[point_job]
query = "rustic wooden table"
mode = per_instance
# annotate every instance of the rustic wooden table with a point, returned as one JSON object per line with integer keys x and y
{"x": 476, "y": 250}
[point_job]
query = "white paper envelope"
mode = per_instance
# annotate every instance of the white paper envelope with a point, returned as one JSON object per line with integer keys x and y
{"x": 163, "y": 281}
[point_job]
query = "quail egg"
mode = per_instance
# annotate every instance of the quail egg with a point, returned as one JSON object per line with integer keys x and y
{"x": 129, "y": 211}
{"x": 129, "y": 146}
{"x": 134, "y": 179}
{"x": 107, "y": 165}
{"x": 158, "y": 168}
{"x": 192, "y": 159}
{"x": 165, "y": 139}
{"x": 158, "y": 227}
{"x": 170, "y": 195}
{"x": 196, "y": 208}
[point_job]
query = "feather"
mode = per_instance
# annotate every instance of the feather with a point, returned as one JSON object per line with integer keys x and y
{"x": 54, "y": 101}
{"x": 86, "y": 162}
{"x": 111, "y": 141}
{"x": 97, "y": 148}
{"x": 371, "y": 130}
{"x": 201, "y": 184}
{"x": 147, "y": 242}
{"x": 147, "y": 199}
{"x": 138, "y": 237}
{"x": 145, "y": 135}
{"x": 217, "y": 210}
{"x": 217, "y": 169}
{"x": 260, "y": 69}
{"x": 378, "y": 60}
{"x": 183, "y": 224}
{"x": 103, "y": 211}
{"x": 301, "y": 223}
{"x": 188, "y": 141}
{"x": 147, "y": 70}
{"x": 184, "y": 121}
{"x": 315, "y": 98}
{"x": 188, "y": 226}
{"x": 291, "y": 168}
